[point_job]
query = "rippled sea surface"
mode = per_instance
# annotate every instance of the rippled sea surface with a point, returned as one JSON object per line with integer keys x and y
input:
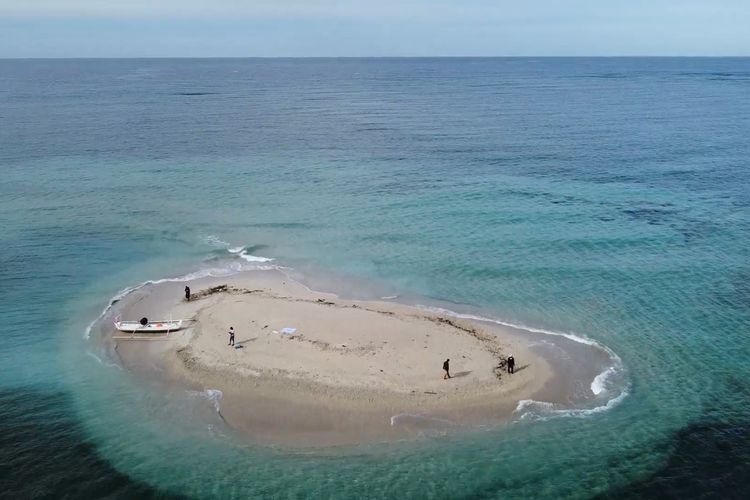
{"x": 609, "y": 198}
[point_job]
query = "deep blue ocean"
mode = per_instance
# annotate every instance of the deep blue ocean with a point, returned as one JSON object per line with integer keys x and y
{"x": 607, "y": 198}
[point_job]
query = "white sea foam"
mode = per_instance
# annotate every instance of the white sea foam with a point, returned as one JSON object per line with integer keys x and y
{"x": 598, "y": 385}
{"x": 525, "y": 404}
{"x": 116, "y": 298}
{"x": 570, "y": 336}
{"x": 231, "y": 269}
{"x": 389, "y": 297}
{"x": 529, "y": 409}
{"x": 215, "y": 241}
{"x": 240, "y": 251}
{"x": 214, "y": 272}
{"x": 212, "y": 395}
{"x": 253, "y": 258}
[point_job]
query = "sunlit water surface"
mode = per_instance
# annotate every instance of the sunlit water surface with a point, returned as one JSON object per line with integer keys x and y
{"x": 605, "y": 198}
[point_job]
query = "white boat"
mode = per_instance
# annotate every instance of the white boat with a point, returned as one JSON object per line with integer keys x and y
{"x": 149, "y": 326}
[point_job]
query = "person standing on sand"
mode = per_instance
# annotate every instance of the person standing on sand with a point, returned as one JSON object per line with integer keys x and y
{"x": 447, "y": 368}
{"x": 511, "y": 364}
{"x": 231, "y": 336}
{"x": 187, "y": 293}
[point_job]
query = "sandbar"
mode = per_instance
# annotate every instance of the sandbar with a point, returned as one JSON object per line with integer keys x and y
{"x": 345, "y": 371}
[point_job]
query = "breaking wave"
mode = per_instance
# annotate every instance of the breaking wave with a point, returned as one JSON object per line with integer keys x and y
{"x": 242, "y": 251}
{"x": 529, "y": 408}
{"x": 231, "y": 268}
{"x": 253, "y": 258}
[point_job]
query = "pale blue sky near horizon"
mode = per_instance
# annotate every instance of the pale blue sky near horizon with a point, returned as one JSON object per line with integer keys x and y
{"x": 311, "y": 28}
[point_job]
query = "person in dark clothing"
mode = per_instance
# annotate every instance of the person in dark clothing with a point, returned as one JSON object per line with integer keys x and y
{"x": 447, "y": 368}
{"x": 187, "y": 293}
{"x": 231, "y": 336}
{"x": 511, "y": 364}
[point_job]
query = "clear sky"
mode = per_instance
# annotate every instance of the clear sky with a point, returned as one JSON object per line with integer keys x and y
{"x": 237, "y": 28}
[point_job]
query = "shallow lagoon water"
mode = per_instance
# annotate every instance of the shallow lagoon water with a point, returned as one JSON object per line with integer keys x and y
{"x": 607, "y": 198}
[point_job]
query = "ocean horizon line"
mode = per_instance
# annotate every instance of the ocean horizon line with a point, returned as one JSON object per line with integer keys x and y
{"x": 371, "y": 57}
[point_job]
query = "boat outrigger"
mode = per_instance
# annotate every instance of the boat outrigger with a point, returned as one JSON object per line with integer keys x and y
{"x": 146, "y": 326}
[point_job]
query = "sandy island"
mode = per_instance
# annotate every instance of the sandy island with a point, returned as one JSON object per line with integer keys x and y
{"x": 352, "y": 371}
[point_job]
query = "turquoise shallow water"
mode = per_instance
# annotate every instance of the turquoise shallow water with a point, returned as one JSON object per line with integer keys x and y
{"x": 603, "y": 197}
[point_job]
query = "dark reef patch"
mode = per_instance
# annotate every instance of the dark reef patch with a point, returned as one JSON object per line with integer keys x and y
{"x": 45, "y": 454}
{"x": 709, "y": 460}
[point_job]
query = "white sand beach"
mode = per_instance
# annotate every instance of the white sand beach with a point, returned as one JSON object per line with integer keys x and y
{"x": 344, "y": 372}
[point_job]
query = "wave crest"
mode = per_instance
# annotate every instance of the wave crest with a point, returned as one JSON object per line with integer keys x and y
{"x": 599, "y": 385}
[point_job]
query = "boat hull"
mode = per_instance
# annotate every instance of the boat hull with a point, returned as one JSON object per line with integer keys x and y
{"x": 151, "y": 327}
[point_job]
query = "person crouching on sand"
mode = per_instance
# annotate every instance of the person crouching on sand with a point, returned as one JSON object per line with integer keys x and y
{"x": 447, "y": 368}
{"x": 231, "y": 335}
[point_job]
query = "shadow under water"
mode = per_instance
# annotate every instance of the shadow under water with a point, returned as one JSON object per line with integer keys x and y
{"x": 707, "y": 457}
{"x": 44, "y": 453}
